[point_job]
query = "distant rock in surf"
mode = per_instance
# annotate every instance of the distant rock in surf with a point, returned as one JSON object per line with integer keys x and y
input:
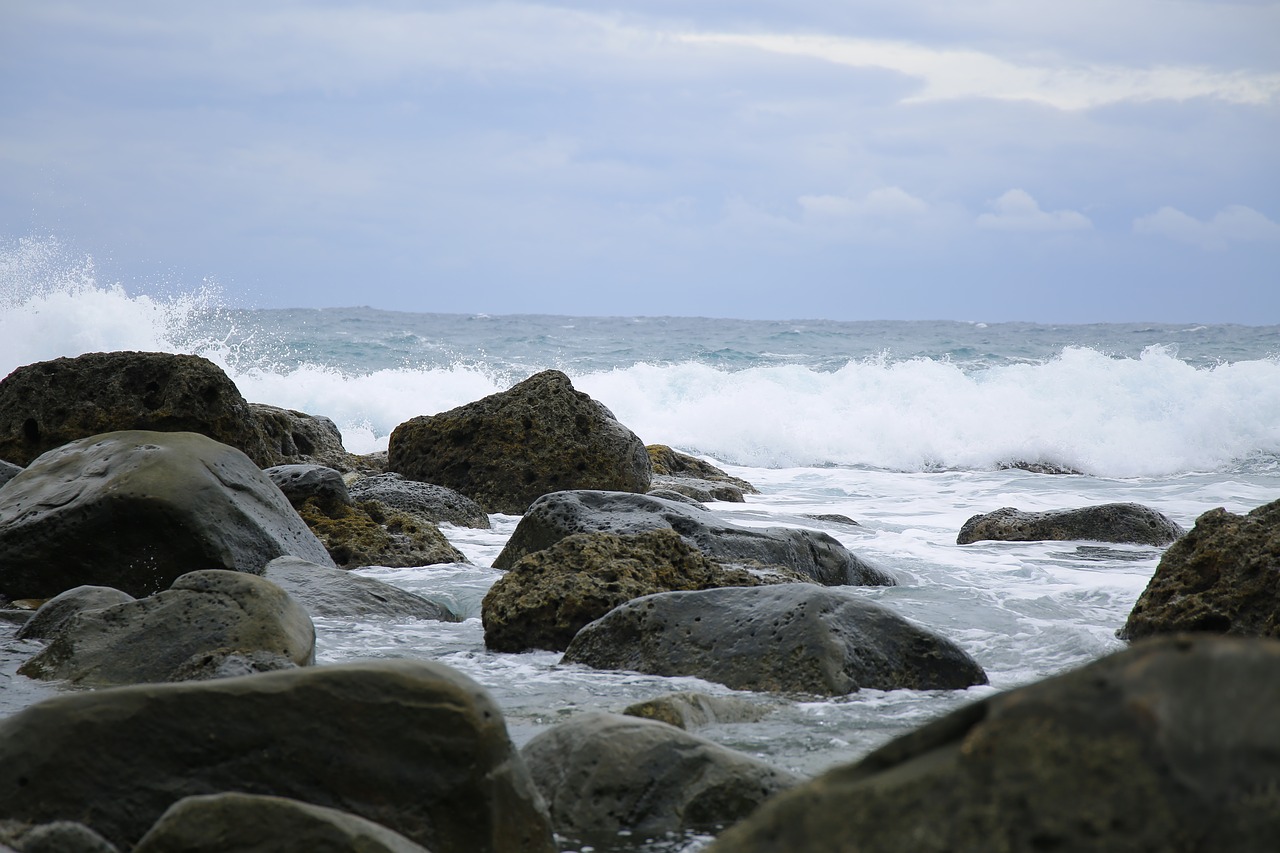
{"x": 1120, "y": 522}
{"x": 691, "y": 710}
{"x": 693, "y": 477}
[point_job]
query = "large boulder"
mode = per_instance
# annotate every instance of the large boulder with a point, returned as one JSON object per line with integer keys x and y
{"x": 134, "y": 510}
{"x": 816, "y": 555}
{"x": 326, "y": 591}
{"x": 1121, "y": 522}
{"x": 412, "y": 745}
{"x": 372, "y": 534}
{"x": 604, "y": 773}
{"x": 248, "y": 823}
{"x": 550, "y": 594}
{"x": 791, "y": 638}
{"x": 1222, "y": 577}
{"x": 428, "y": 500}
{"x": 507, "y": 449}
{"x": 50, "y": 403}
{"x": 149, "y": 639}
{"x": 1169, "y": 745}
{"x": 293, "y": 437}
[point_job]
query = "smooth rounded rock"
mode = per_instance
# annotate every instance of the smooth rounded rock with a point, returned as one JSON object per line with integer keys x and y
{"x": 1119, "y": 522}
{"x": 326, "y": 591}
{"x": 57, "y": 611}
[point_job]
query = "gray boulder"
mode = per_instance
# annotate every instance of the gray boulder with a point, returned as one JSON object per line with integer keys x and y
{"x": 57, "y": 611}
{"x": 818, "y": 556}
{"x": 509, "y": 448}
{"x": 62, "y": 836}
{"x": 294, "y": 437}
{"x": 604, "y": 773}
{"x": 149, "y": 639}
{"x": 411, "y": 745}
{"x": 790, "y": 638}
{"x": 301, "y": 483}
{"x": 326, "y": 591}
{"x": 1222, "y": 577}
{"x": 1121, "y": 522}
{"x": 690, "y": 710}
{"x": 134, "y": 510}
{"x": 428, "y": 500}
{"x": 230, "y": 663}
{"x": 249, "y": 823}
{"x": 699, "y": 490}
{"x": 8, "y": 471}
{"x": 1169, "y": 745}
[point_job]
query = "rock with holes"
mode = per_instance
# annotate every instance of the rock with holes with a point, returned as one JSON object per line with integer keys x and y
{"x": 301, "y": 483}
{"x": 326, "y": 591}
{"x": 605, "y": 773}
{"x": 672, "y": 463}
{"x": 134, "y": 510}
{"x": 298, "y": 438}
{"x": 1121, "y": 522}
{"x": 368, "y": 533}
{"x": 1222, "y": 577}
{"x": 57, "y": 611}
{"x": 435, "y": 503}
{"x": 815, "y": 555}
{"x": 799, "y": 638}
{"x": 1169, "y": 745}
{"x": 505, "y": 450}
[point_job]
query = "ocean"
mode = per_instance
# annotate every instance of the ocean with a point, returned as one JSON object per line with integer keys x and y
{"x": 906, "y": 427}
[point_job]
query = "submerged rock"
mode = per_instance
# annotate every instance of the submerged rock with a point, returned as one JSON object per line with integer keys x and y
{"x": 790, "y": 638}
{"x": 371, "y": 534}
{"x": 326, "y": 591}
{"x": 432, "y": 502}
{"x": 1120, "y": 522}
{"x": 1153, "y": 748}
{"x": 509, "y": 448}
{"x": 691, "y": 710}
{"x": 1222, "y": 577}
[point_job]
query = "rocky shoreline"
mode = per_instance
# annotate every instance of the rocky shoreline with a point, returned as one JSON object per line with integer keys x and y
{"x": 170, "y": 543}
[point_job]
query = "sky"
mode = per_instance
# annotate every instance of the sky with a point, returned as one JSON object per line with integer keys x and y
{"x": 990, "y": 160}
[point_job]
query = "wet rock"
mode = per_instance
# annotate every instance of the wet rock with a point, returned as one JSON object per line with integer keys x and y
{"x": 301, "y": 483}
{"x": 8, "y": 471}
{"x": 699, "y": 490}
{"x": 602, "y": 773}
{"x": 834, "y": 518}
{"x": 62, "y": 836}
{"x": 414, "y": 746}
{"x": 134, "y": 510}
{"x": 790, "y": 638}
{"x": 549, "y": 595}
{"x": 297, "y": 438}
{"x": 672, "y": 463}
{"x": 678, "y": 497}
{"x": 57, "y": 611}
{"x": 371, "y": 534}
{"x": 229, "y": 663}
{"x": 432, "y": 502}
{"x": 148, "y": 639}
{"x": 815, "y": 555}
{"x": 247, "y": 823}
{"x": 1040, "y": 467}
{"x": 509, "y": 448}
{"x": 1153, "y": 748}
{"x": 326, "y": 591}
{"x": 1222, "y": 577}
{"x": 692, "y": 710}
{"x": 1121, "y": 522}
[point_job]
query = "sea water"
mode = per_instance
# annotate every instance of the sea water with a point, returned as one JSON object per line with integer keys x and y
{"x": 905, "y": 427}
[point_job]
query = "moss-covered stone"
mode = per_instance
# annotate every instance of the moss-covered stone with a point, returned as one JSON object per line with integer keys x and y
{"x": 372, "y": 534}
{"x": 672, "y": 463}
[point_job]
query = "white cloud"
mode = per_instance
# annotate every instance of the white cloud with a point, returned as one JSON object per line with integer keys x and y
{"x": 883, "y": 203}
{"x": 1233, "y": 224}
{"x": 1016, "y": 210}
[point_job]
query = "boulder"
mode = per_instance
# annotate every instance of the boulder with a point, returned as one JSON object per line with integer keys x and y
{"x": 507, "y": 449}
{"x": 50, "y": 403}
{"x": 550, "y": 594}
{"x": 1222, "y": 577}
{"x": 672, "y": 463}
{"x": 690, "y": 710}
{"x": 8, "y": 471}
{"x": 230, "y": 663}
{"x": 432, "y": 502}
{"x": 412, "y": 745}
{"x": 295, "y": 437}
{"x": 1122, "y": 522}
{"x": 817, "y": 556}
{"x": 371, "y": 534}
{"x": 134, "y": 510}
{"x": 249, "y": 823}
{"x": 326, "y": 591}
{"x": 1169, "y": 745}
{"x": 61, "y": 836}
{"x": 57, "y": 611}
{"x": 698, "y": 490}
{"x": 791, "y": 638}
{"x": 147, "y": 640}
{"x": 605, "y": 773}
{"x": 301, "y": 483}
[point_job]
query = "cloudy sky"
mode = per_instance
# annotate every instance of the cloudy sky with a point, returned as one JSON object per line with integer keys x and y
{"x": 868, "y": 159}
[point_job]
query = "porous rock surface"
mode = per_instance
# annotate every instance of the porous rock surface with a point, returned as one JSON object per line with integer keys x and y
{"x": 1152, "y": 749}
{"x": 435, "y": 503}
{"x": 134, "y": 510}
{"x": 57, "y": 611}
{"x": 789, "y": 638}
{"x": 326, "y": 591}
{"x": 672, "y": 463}
{"x": 1118, "y": 522}
{"x": 302, "y": 483}
{"x": 298, "y": 438}
{"x": 1222, "y": 577}
{"x": 507, "y": 449}
{"x": 369, "y": 533}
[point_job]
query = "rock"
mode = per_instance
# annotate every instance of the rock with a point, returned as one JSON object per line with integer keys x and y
{"x": 371, "y": 534}
{"x": 507, "y": 449}
{"x": 302, "y": 439}
{"x": 8, "y": 471}
{"x": 1039, "y": 467}
{"x": 549, "y": 595}
{"x": 147, "y": 640}
{"x": 63, "y": 836}
{"x": 301, "y": 483}
{"x": 604, "y": 773}
{"x": 672, "y": 463}
{"x": 326, "y": 591}
{"x": 248, "y": 823}
{"x": 678, "y": 497}
{"x": 692, "y": 710}
{"x": 432, "y": 502}
{"x": 412, "y": 745}
{"x": 57, "y": 611}
{"x": 134, "y": 510}
{"x": 815, "y": 555}
{"x": 699, "y": 490}
{"x": 1169, "y": 745}
{"x": 790, "y": 638}
{"x": 1124, "y": 522}
{"x": 51, "y": 403}
{"x": 1222, "y": 577}
{"x": 229, "y": 663}
{"x": 834, "y": 518}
